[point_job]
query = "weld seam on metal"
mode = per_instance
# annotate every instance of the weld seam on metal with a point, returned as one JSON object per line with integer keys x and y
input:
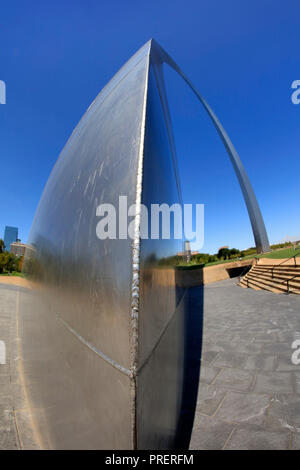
{"x": 135, "y": 285}
{"x": 103, "y": 356}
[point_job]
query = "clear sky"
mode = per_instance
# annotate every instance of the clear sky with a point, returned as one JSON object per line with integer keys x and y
{"x": 242, "y": 56}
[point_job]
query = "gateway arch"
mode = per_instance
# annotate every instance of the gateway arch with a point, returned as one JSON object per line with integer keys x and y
{"x": 103, "y": 330}
{"x": 158, "y": 58}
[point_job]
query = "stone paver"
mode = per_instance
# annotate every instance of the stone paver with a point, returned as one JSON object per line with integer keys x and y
{"x": 209, "y": 398}
{"x": 210, "y": 433}
{"x": 258, "y": 439}
{"x": 254, "y": 400}
{"x": 235, "y": 379}
{"x": 260, "y": 362}
{"x": 284, "y": 412}
{"x": 274, "y": 382}
{"x": 208, "y": 374}
{"x": 244, "y": 408}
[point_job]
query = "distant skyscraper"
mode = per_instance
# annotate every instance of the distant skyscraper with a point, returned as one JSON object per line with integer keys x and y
{"x": 10, "y": 236}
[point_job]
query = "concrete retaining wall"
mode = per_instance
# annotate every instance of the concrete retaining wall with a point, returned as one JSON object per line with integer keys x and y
{"x": 206, "y": 275}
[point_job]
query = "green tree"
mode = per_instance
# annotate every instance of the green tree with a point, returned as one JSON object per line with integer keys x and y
{"x": 2, "y": 246}
{"x": 223, "y": 253}
{"x": 234, "y": 253}
{"x": 12, "y": 263}
{"x": 2, "y": 262}
{"x": 8, "y": 262}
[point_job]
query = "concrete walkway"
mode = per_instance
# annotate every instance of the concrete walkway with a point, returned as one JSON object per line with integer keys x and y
{"x": 249, "y": 391}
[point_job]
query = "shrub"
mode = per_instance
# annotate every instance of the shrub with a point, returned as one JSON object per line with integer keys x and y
{"x": 9, "y": 262}
{"x": 249, "y": 251}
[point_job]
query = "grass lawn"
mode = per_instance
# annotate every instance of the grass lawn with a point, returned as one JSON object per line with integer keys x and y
{"x": 281, "y": 254}
{"x": 14, "y": 273}
{"x": 222, "y": 261}
{"x": 278, "y": 254}
{"x": 230, "y": 260}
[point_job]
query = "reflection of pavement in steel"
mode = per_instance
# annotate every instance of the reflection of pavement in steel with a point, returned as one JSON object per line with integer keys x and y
{"x": 16, "y": 426}
{"x": 2, "y": 352}
{"x": 249, "y": 393}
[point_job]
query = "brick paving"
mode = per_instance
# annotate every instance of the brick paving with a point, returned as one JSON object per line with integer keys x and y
{"x": 249, "y": 389}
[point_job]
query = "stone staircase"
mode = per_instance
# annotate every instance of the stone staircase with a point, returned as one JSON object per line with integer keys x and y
{"x": 273, "y": 277}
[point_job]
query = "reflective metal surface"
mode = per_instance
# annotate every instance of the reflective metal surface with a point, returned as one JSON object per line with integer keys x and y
{"x": 161, "y": 313}
{"x": 76, "y": 322}
{"x": 103, "y": 327}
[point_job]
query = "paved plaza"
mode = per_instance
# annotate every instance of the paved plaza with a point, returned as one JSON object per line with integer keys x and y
{"x": 249, "y": 391}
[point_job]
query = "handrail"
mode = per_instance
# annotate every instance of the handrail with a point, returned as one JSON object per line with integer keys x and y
{"x": 284, "y": 261}
{"x": 291, "y": 278}
{"x": 274, "y": 267}
{"x": 288, "y": 282}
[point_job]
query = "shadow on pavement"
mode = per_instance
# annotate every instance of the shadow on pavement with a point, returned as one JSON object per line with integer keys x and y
{"x": 192, "y": 362}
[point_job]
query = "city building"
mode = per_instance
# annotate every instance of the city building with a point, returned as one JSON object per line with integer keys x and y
{"x": 18, "y": 248}
{"x": 183, "y": 253}
{"x": 10, "y": 236}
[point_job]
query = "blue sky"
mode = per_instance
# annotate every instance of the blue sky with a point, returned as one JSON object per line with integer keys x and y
{"x": 242, "y": 56}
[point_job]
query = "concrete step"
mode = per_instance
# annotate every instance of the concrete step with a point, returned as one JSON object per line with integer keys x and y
{"x": 294, "y": 271}
{"x": 276, "y": 268}
{"x": 295, "y": 291}
{"x": 278, "y": 274}
{"x": 268, "y": 285}
{"x": 251, "y": 284}
{"x": 264, "y": 284}
{"x": 262, "y": 277}
{"x": 257, "y": 285}
{"x": 280, "y": 279}
{"x": 268, "y": 282}
{"x": 280, "y": 264}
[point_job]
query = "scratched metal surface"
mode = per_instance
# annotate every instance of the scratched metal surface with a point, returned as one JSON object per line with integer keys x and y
{"x": 75, "y": 322}
{"x": 92, "y": 277}
{"x": 92, "y": 379}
